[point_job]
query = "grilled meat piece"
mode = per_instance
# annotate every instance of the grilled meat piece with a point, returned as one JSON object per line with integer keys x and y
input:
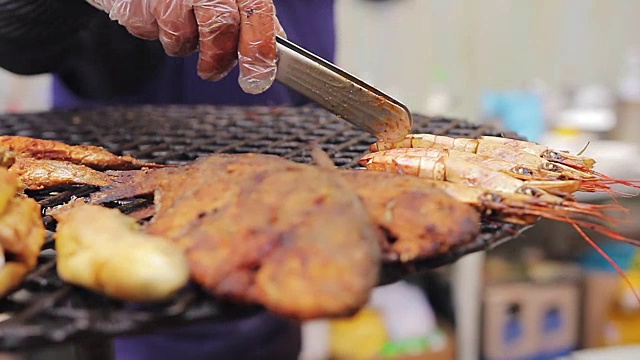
{"x": 421, "y": 220}
{"x": 22, "y": 232}
{"x": 92, "y": 156}
{"x": 40, "y": 174}
{"x": 262, "y": 229}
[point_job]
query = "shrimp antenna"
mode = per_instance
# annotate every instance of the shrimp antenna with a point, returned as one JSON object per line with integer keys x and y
{"x": 608, "y": 258}
{"x": 583, "y": 149}
{"x": 629, "y": 183}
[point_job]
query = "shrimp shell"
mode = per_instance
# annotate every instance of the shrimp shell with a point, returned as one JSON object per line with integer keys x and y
{"x": 438, "y": 164}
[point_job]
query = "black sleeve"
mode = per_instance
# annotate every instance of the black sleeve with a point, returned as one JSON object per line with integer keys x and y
{"x": 37, "y": 35}
{"x": 94, "y": 56}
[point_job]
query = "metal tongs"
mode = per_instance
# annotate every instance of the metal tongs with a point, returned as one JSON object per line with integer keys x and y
{"x": 342, "y": 93}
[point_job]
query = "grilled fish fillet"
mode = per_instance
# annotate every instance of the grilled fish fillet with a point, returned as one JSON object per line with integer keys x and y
{"x": 40, "y": 174}
{"x": 421, "y": 220}
{"x": 261, "y": 229}
{"x": 92, "y": 156}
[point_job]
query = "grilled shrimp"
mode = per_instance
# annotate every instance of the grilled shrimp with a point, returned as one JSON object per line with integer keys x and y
{"x": 541, "y": 178}
{"x": 481, "y": 144}
{"x": 437, "y": 164}
{"x": 490, "y": 184}
{"x": 496, "y": 194}
{"x": 558, "y": 156}
{"x": 525, "y": 210}
{"x": 527, "y": 155}
{"x": 95, "y": 157}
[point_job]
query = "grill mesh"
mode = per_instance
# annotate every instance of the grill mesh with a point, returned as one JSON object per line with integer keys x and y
{"x": 45, "y": 310}
{"x": 177, "y": 134}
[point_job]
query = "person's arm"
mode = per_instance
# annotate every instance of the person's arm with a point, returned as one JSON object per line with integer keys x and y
{"x": 77, "y": 41}
{"x": 37, "y": 36}
{"x": 95, "y": 57}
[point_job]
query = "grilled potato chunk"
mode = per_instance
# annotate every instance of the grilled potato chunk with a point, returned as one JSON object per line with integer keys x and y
{"x": 22, "y": 232}
{"x": 102, "y": 250}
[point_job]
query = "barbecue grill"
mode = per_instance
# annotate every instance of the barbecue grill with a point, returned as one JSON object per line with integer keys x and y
{"x": 45, "y": 311}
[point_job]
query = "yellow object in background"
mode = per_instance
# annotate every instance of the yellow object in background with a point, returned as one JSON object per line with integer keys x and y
{"x": 628, "y": 300}
{"x": 624, "y": 318}
{"x": 359, "y": 337}
{"x": 635, "y": 262}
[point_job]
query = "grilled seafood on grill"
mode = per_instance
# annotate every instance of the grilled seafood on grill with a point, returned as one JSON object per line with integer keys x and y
{"x": 488, "y": 145}
{"x": 412, "y": 233}
{"x": 261, "y": 229}
{"x": 41, "y": 174}
{"x": 247, "y": 235}
{"x": 248, "y": 223}
{"x": 477, "y": 171}
{"x": 495, "y": 193}
{"x": 437, "y": 164}
{"x": 483, "y": 186}
{"x": 44, "y": 164}
{"x": 12, "y": 147}
{"x": 420, "y": 219}
{"x": 409, "y": 156}
{"x": 529, "y": 160}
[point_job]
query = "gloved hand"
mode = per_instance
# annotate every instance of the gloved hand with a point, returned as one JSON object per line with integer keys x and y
{"x": 225, "y": 32}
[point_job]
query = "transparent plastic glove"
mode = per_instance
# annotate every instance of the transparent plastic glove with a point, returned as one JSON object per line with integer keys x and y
{"x": 226, "y": 32}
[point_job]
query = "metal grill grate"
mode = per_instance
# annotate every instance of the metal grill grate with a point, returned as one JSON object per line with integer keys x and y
{"x": 44, "y": 310}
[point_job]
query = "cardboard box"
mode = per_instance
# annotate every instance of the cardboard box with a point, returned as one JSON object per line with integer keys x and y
{"x": 557, "y": 317}
{"x": 509, "y": 322}
{"x": 530, "y": 321}
{"x": 600, "y": 294}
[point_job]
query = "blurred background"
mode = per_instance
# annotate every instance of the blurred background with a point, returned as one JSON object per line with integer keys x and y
{"x": 562, "y": 72}
{"x": 420, "y": 49}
